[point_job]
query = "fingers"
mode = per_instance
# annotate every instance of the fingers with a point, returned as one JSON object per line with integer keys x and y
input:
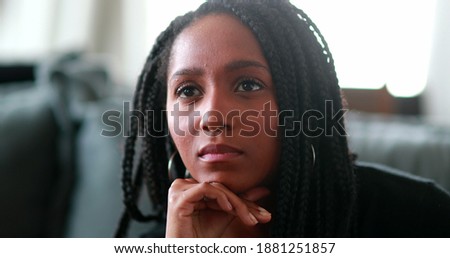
{"x": 248, "y": 211}
{"x": 187, "y": 195}
{"x": 254, "y": 195}
{"x": 261, "y": 214}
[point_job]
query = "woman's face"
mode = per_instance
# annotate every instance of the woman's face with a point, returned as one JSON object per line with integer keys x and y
{"x": 221, "y": 106}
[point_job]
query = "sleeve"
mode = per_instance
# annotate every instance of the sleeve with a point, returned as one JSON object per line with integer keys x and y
{"x": 435, "y": 211}
{"x": 395, "y": 204}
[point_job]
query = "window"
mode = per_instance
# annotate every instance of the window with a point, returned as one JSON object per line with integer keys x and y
{"x": 377, "y": 43}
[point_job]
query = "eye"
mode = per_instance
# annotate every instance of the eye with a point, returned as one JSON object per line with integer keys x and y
{"x": 187, "y": 91}
{"x": 249, "y": 85}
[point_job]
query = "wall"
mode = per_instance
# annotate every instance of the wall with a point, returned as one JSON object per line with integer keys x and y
{"x": 437, "y": 93}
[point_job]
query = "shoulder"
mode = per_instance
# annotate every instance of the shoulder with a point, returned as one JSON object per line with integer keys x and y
{"x": 392, "y": 203}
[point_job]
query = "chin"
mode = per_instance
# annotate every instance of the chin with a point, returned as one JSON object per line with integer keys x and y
{"x": 235, "y": 185}
{"x": 238, "y": 189}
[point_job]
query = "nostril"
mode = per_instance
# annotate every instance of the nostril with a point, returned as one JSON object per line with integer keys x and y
{"x": 212, "y": 120}
{"x": 215, "y": 129}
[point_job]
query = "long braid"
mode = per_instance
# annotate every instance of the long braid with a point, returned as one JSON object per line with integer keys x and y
{"x": 299, "y": 195}
{"x": 303, "y": 103}
{"x": 341, "y": 158}
{"x": 321, "y": 91}
{"x": 131, "y": 190}
{"x": 345, "y": 175}
{"x": 143, "y": 100}
{"x": 155, "y": 156}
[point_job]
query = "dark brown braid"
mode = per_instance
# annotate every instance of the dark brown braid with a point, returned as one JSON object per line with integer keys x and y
{"x": 313, "y": 200}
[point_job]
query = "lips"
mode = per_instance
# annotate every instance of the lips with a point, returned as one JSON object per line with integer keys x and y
{"x": 218, "y": 153}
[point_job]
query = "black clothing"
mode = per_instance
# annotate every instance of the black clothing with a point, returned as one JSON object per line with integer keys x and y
{"x": 392, "y": 203}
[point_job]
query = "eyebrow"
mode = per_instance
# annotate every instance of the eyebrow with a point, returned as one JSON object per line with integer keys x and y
{"x": 239, "y": 64}
{"x": 188, "y": 71}
{"x": 232, "y": 66}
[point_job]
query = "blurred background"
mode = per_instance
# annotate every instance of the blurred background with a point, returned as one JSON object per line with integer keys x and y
{"x": 64, "y": 63}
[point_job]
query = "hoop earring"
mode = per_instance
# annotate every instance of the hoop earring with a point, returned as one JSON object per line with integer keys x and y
{"x": 171, "y": 168}
{"x": 172, "y": 171}
{"x": 313, "y": 155}
{"x": 187, "y": 174}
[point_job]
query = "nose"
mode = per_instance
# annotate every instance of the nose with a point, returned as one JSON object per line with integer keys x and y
{"x": 213, "y": 121}
{"x": 216, "y": 113}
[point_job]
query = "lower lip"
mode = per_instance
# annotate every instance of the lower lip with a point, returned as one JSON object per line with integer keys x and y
{"x": 219, "y": 157}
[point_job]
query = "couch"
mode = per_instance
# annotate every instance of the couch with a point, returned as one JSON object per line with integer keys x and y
{"x": 59, "y": 177}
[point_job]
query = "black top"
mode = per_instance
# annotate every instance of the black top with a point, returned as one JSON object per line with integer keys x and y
{"x": 396, "y": 204}
{"x": 392, "y": 203}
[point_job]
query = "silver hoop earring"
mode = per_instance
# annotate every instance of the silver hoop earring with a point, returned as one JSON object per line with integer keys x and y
{"x": 313, "y": 155}
{"x": 172, "y": 172}
{"x": 187, "y": 174}
{"x": 173, "y": 167}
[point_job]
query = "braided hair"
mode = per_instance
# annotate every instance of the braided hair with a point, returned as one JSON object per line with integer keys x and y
{"x": 315, "y": 186}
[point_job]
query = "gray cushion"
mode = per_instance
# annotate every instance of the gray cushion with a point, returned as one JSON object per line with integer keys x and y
{"x": 97, "y": 199}
{"x": 28, "y": 163}
{"x": 406, "y": 143}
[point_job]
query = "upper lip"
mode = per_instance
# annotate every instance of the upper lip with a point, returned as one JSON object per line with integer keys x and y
{"x": 217, "y": 149}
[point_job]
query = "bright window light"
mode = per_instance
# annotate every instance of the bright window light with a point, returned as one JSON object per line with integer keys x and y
{"x": 25, "y": 29}
{"x": 161, "y": 13}
{"x": 377, "y": 43}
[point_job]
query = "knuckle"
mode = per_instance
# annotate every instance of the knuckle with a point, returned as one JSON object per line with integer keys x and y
{"x": 176, "y": 185}
{"x": 203, "y": 186}
{"x": 175, "y": 188}
{"x": 217, "y": 185}
{"x": 172, "y": 190}
{"x": 172, "y": 196}
{"x": 177, "y": 182}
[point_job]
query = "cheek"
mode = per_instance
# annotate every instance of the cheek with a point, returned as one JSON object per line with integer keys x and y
{"x": 184, "y": 145}
{"x": 181, "y": 121}
{"x": 182, "y": 131}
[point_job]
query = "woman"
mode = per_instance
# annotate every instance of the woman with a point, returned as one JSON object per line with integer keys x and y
{"x": 246, "y": 93}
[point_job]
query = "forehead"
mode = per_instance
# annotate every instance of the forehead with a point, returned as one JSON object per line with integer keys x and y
{"x": 213, "y": 39}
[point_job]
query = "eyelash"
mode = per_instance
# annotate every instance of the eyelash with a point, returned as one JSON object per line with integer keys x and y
{"x": 190, "y": 86}
{"x": 187, "y": 86}
{"x": 252, "y": 81}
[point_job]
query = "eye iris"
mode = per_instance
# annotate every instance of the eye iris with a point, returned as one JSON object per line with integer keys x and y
{"x": 188, "y": 92}
{"x": 248, "y": 86}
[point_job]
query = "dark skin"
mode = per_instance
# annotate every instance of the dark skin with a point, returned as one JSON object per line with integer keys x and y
{"x": 216, "y": 64}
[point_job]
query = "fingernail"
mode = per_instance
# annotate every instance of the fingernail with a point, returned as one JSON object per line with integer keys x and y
{"x": 264, "y": 212}
{"x": 253, "y": 219}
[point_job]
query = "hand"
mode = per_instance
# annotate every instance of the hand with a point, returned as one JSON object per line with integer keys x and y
{"x": 208, "y": 209}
